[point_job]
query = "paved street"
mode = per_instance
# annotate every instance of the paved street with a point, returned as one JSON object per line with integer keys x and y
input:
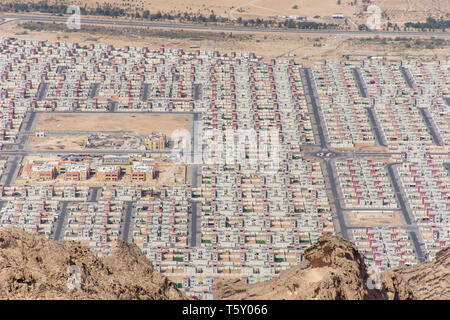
{"x": 61, "y": 222}
{"x": 327, "y": 156}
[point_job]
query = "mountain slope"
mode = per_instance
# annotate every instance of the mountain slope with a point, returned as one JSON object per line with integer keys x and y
{"x": 334, "y": 269}
{"x": 34, "y": 267}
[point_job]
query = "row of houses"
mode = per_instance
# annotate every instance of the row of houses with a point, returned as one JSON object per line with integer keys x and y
{"x": 261, "y": 201}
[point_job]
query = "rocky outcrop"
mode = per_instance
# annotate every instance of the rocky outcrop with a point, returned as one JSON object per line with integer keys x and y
{"x": 334, "y": 270}
{"x": 425, "y": 281}
{"x": 34, "y": 267}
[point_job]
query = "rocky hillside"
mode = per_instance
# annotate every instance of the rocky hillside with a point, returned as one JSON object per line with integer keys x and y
{"x": 429, "y": 280}
{"x": 334, "y": 269}
{"x": 33, "y": 267}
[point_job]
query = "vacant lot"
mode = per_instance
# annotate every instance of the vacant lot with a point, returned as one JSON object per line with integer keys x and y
{"x": 79, "y": 142}
{"x": 131, "y": 123}
{"x": 373, "y": 218}
{"x": 395, "y": 11}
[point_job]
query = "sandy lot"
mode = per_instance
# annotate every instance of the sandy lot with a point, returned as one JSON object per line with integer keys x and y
{"x": 373, "y": 218}
{"x": 78, "y": 142}
{"x": 138, "y": 124}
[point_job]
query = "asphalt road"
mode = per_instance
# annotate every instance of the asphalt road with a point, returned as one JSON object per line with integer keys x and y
{"x": 434, "y": 133}
{"x": 61, "y": 218}
{"x": 223, "y": 28}
{"x": 372, "y": 118}
{"x": 127, "y": 220}
{"x": 309, "y": 91}
{"x": 376, "y": 129}
{"x": 359, "y": 82}
{"x": 408, "y": 78}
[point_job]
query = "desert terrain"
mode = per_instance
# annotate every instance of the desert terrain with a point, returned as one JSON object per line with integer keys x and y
{"x": 138, "y": 124}
{"x": 393, "y": 10}
{"x": 373, "y": 218}
{"x": 306, "y": 48}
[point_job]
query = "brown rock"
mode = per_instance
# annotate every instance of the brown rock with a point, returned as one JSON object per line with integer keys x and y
{"x": 34, "y": 267}
{"x": 334, "y": 269}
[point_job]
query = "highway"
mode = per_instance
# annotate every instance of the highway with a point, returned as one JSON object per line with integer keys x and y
{"x": 144, "y": 92}
{"x": 311, "y": 98}
{"x": 12, "y": 170}
{"x": 326, "y": 155}
{"x": 375, "y": 128}
{"x": 195, "y": 236}
{"x": 93, "y": 91}
{"x": 111, "y": 106}
{"x": 30, "y": 121}
{"x": 94, "y": 193}
{"x": 42, "y": 90}
{"x": 337, "y": 204}
{"x": 359, "y": 82}
{"x": 197, "y": 91}
{"x": 163, "y": 25}
{"x": 447, "y": 166}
